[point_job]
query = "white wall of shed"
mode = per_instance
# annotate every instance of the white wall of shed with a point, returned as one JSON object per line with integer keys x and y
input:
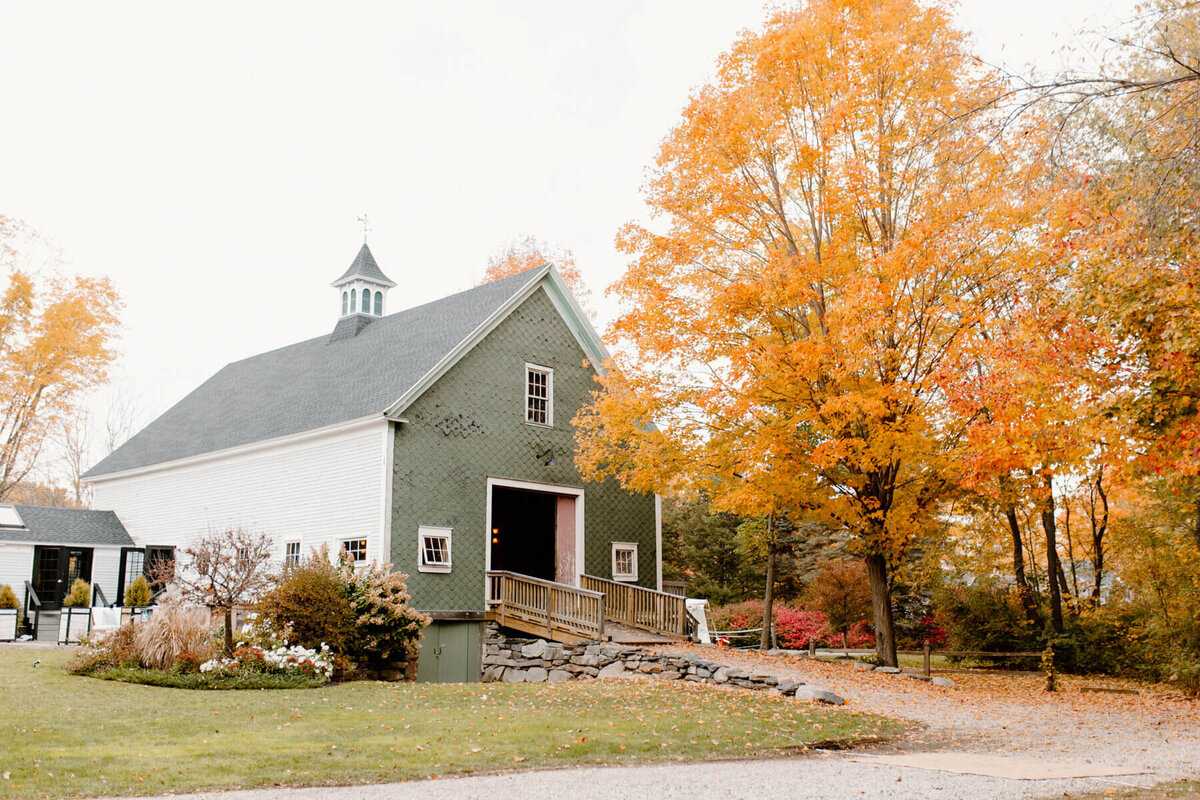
{"x": 313, "y": 489}
{"x": 16, "y": 566}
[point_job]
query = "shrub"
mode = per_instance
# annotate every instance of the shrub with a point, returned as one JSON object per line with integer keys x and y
{"x": 859, "y": 636}
{"x": 311, "y": 606}
{"x": 80, "y": 595}
{"x": 794, "y": 628}
{"x": 842, "y": 592}
{"x": 388, "y": 628}
{"x": 173, "y": 629}
{"x": 738, "y": 617}
{"x": 360, "y": 615}
{"x": 986, "y": 617}
{"x": 101, "y": 651}
{"x": 138, "y": 593}
{"x": 8, "y": 599}
{"x": 1184, "y": 672}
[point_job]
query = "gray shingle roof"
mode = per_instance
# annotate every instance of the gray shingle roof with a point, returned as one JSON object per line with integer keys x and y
{"x": 364, "y": 266}
{"x": 314, "y": 383}
{"x": 68, "y": 526}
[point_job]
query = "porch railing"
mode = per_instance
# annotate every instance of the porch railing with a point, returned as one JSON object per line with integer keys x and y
{"x": 639, "y": 607}
{"x": 32, "y": 599}
{"x": 544, "y": 608}
{"x": 98, "y": 594}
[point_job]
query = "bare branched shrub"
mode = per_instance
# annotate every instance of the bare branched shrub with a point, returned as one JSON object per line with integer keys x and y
{"x": 224, "y": 570}
{"x": 173, "y": 630}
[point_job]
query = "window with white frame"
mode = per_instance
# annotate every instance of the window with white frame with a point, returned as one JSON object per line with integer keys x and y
{"x": 624, "y": 561}
{"x": 433, "y": 549}
{"x": 291, "y": 554}
{"x": 355, "y": 550}
{"x": 539, "y": 395}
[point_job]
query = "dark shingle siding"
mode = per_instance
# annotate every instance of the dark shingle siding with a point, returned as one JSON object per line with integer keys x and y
{"x": 314, "y": 383}
{"x": 68, "y": 526}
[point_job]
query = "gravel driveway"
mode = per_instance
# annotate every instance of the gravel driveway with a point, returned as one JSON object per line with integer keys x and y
{"x": 999, "y": 714}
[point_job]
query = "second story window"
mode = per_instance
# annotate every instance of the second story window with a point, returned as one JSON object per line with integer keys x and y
{"x": 291, "y": 554}
{"x": 539, "y": 395}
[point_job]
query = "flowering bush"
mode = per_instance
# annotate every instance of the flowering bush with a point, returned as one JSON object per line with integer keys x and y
{"x": 283, "y": 660}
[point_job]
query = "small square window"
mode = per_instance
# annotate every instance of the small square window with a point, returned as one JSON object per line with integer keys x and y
{"x": 433, "y": 549}
{"x": 624, "y": 561}
{"x": 539, "y": 395}
{"x": 291, "y": 554}
{"x": 355, "y": 550}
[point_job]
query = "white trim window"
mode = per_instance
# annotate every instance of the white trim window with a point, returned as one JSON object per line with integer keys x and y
{"x": 291, "y": 554}
{"x": 539, "y": 395}
{"x": 355, "y": 550}
{"x": 624, "y": 561}
{"x": 433, "y": 548}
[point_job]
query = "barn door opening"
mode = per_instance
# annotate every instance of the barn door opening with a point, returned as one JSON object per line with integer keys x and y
{"x": 533, "y": 533}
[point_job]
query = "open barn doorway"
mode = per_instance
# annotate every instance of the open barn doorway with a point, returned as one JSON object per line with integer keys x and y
{"x": 533, "y": 532}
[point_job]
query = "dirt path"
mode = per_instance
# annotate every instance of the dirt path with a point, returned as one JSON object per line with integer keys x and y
{"x": 1156, "y": 729}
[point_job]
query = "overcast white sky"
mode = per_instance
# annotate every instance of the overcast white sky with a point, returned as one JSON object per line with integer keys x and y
{"x": 211, "y": 158}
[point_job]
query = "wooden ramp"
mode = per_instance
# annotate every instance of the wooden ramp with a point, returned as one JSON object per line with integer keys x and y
{"x": 547, "y": 609}
{"x": 623, "y": 634}
{"x": 601, "y": 609}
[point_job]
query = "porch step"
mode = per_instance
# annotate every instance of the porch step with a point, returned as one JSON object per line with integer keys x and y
{"x": 48, "y": 626}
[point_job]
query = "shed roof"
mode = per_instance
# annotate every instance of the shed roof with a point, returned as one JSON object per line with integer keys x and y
{"x": 67, "y": 526}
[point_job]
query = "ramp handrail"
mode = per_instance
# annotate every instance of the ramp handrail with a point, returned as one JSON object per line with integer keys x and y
{"x": 639, "y": 607}
{"x": 31, "y": 595}
{"x": 557, "y": 607}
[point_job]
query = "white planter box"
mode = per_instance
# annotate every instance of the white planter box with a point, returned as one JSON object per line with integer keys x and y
{"x": 8, "y": 624}
{"x": 73, "y": 623}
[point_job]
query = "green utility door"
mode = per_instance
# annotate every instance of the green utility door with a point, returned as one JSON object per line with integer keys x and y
{"x": 450, "y": 653}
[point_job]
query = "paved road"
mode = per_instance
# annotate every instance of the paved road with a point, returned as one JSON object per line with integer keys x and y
{"x": 828, "y": 777}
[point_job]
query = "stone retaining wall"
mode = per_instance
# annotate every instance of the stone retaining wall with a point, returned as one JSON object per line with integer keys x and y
{"x": 517, "y": 659}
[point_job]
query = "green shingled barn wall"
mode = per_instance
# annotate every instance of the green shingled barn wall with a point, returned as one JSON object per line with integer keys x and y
{"x": 470, "y": 426}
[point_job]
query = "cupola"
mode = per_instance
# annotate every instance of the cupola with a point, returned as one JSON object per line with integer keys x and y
{"x": 362, "y": 289}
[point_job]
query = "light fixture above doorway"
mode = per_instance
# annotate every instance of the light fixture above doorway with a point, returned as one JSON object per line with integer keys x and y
{"x": 547, "y": 458}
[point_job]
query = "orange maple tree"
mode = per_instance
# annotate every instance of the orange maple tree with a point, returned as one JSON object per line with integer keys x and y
{"x": 55, "y": 345}
{"x": 528, "y": 252}
{"x": 838, "y": 230}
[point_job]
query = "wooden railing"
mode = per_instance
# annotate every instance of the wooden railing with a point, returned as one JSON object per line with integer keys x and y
{"x": 544, "y": 608}
{"x": 638, "y": 607}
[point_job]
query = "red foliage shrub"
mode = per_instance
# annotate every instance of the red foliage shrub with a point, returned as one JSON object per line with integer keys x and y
{"x": 795, "y": 628}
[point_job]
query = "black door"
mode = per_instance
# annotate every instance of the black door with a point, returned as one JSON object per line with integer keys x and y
{"x": 47, "y": 579}
{"x": 56, "y": 568}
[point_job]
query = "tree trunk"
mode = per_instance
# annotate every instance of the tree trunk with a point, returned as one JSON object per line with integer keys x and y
{"x": 881, "y": 604}
{"x": 1099, "y": 528}
{"x": 1070, "y": 548}
{"x": 769, "y": 595}
{"x": 1054, "y": 570}
{"x": 1196, "y": 528}
{"x": 229, "y": 632}
{"x": 1027, "y": 601}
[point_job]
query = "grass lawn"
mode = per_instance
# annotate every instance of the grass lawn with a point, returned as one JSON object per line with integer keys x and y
{"x": 1164, "y": 791}
{"x": 65, "y": 735}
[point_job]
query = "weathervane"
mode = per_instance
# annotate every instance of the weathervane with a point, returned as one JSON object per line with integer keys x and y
{"x": 366, "y": 223}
